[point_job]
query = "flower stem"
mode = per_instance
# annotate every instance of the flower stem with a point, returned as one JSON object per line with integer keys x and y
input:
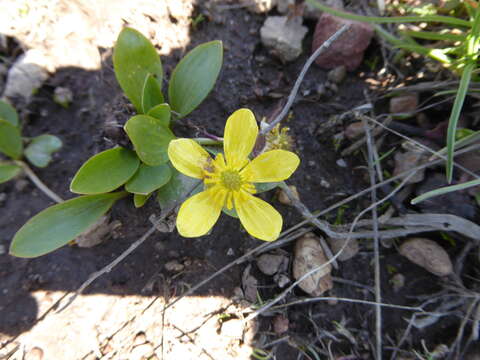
{"x": 39, "y": 183}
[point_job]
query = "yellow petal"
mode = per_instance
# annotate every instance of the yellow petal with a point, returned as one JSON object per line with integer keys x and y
{"x": 198, "y": 214}
{"x": 271, "y": 166}
{"x": 258, "y": 217}
{"x": 240, "y": 135}
{"x": 188, "y": 157}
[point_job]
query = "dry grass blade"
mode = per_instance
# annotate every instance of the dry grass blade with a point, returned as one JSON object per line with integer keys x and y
{"x": 376, "y": 248}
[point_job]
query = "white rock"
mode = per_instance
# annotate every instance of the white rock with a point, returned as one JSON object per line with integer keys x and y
{"x": 26, "y": 75}
{"x": 283, "y": 36}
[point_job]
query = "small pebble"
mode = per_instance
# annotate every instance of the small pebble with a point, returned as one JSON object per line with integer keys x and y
{"x": 404, "y": 104}
{"x": 281, "y": 280}
{"x": 174, "y": 266}
{"x": 21, "y": 185}
{"x": 269, "y": 264}
{"x": 283, "y": 197}
{"x": 337, "y": 75}
{"x": 398, "y": 282}
{"x": 342, "y": 163}
{"x": 280, "y": 324}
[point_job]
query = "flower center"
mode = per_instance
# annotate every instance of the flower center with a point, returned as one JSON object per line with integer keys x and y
{"x": 231, "y": 179}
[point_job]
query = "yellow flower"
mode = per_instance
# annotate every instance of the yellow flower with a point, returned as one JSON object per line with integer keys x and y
{"x": 229, "y": 181}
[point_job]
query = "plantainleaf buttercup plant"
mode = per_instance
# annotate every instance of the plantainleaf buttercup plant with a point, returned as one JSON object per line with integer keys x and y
{"x": 159, "y": 163}
{"x": 230, "y": 179}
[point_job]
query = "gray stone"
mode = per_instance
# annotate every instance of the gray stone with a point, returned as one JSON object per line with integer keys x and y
{"x": 269, "y": 264}
{"x": 406, "y": 103}
{"x": 283, "y": 36}
{"x": 26, "y": 75}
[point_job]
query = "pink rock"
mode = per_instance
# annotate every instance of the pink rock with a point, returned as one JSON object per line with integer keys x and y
{"x": 348, "y": 49}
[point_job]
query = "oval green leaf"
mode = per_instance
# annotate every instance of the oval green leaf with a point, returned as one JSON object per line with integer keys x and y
{"x": 151, "y": 93}
{"x": 150, "y": 138}
{"x": 162, "y": 113}
{"x": 134, "y": 57}
{"x": 176, "y": 191}
{"x": 10, "y": 140}
{"x": 39, "y": 151}
{"x": 8, "y": 172}
{"x": 148, "y": 179}
{"x": 57, "y": 225}
{"x": 105, "y": 171}
{"x": 195, "y": 76}
{"x": 8, "y": 113}
{"x": 140, "y": 200}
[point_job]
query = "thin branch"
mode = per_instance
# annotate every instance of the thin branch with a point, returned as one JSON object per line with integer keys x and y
{"x": 299, "y": 80}
{"x": 39, "y": 183}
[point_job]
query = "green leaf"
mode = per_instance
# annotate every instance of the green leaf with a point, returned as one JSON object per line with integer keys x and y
{"x": 262, "y": 187}
{"x": 232, "y": 212}
{"x": 150, "y": 138}
{"x": 8, "y": 171}
{"x": 151, "y": 94}
{"x": 8, "y": 113}
{"x": 195, "y": 76}
{"x": 162, "y": 113}
{"x": 134, "y": 57}
{"x": 39, "y": 151}
{"x": 148, "y": 179}
{"x": 105, "y": 171}
{"x": 59, "y": 224}
{"x": 176, "y": 191}
{"x": 10, "y": 140}
{"x": 140, "y": 200}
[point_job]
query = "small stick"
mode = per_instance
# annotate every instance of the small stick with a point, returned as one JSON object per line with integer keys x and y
{"x": 299, "y": 80}
{"x": 39, "y": 183}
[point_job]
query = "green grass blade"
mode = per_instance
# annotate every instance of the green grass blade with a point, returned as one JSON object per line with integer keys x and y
{"x": 389, "y": 20}
{"x": 428, "y": 35}
{"x": 445, "y": 190}
{"x": 455, "y": 115}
